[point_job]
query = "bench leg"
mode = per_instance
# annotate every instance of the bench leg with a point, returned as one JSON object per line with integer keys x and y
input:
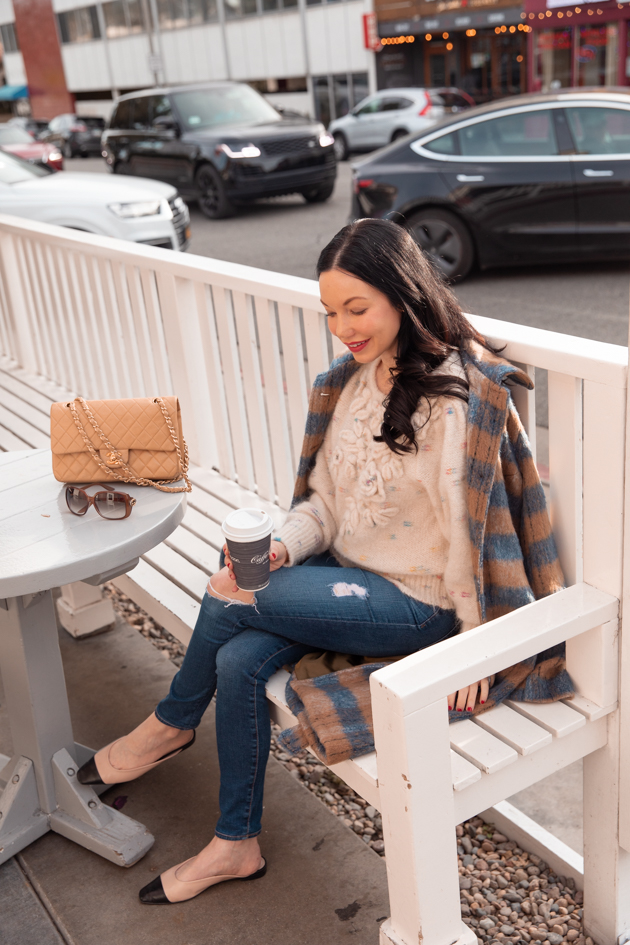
{"x": 606, "y": 864}
{"x": 416, "y": 798}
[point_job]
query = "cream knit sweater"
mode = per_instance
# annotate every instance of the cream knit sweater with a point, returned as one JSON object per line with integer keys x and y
{"x": 401, "y": 516}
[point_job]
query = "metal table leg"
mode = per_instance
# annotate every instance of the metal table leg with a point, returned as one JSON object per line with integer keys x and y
{"x": 41, "y": 790}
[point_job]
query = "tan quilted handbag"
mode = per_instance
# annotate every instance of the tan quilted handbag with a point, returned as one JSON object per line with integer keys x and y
{"x": 138, "y": 441}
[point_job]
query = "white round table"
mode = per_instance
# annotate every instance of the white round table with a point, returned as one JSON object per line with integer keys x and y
{"x": 43, "y": 546}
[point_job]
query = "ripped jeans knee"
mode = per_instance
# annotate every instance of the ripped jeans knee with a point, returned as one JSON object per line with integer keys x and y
{"x": 343, "y": 589}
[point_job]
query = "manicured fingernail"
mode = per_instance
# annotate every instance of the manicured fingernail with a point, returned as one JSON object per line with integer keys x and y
{"x": 468, "y": 709}
{"x": 273, "y": 556}
{"x": 450, "y": 708}
{"x": 483, "y": 701}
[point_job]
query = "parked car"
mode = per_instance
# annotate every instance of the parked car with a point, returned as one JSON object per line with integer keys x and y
{"x": 16, "y": 140}
{"x": 221, "y": 143}
{"x": 144, "y": 211}
{"x": 34, "y": 126}
{"x": 75, "y": 135}
{"x": 392, "y": 114}
{"x": 537, "y": 178}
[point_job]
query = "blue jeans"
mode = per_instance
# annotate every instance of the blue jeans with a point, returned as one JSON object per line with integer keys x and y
{"x": 236, "y": 648}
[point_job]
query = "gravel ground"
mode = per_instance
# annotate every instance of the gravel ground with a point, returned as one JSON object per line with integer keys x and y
{"x": 507, "y": 894}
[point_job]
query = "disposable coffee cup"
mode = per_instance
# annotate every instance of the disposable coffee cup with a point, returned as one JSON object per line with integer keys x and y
{"x": 248, "y": 536}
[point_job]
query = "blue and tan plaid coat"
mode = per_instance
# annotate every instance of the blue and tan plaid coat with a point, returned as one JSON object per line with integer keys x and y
{"x": 514, "y": 554}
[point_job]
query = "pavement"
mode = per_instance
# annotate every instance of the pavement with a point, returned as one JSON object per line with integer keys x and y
{"x": 323, "y": 885}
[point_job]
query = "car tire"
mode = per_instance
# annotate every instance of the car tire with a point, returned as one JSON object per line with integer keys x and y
{"x": 211, "y": 197}
{"x": 319, "y": 194}
{"x": 340, "y": 146}
{"x": 67, "y": 150}
{"x": 399, "y": 133}
{"x": 445, "y": 239}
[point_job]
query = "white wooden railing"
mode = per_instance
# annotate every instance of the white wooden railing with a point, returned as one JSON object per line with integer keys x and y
{"x": 241, "y": 347}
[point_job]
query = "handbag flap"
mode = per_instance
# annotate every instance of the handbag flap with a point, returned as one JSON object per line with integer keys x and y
{"x": 137, "y": 423}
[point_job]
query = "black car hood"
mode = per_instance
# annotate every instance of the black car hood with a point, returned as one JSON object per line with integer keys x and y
{"x": 254, "y": 132}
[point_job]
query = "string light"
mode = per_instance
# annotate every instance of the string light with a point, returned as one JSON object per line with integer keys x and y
{"x": 444, "y": 35}
{"x": 396, "y": 40}
{"x": 560, "y": 15}
{"x": 471, "y": 32}
{"x": 519, "y": 58}
{"x": 449, "y": 46}
{"x": 512, "y": 29}
{"x": 532, "y": 16}
{"x": 569, "y": 13}
{"x": 428, "y": 37}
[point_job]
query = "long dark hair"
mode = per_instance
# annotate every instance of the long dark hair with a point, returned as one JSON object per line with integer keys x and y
{"x": 385, "y": 256}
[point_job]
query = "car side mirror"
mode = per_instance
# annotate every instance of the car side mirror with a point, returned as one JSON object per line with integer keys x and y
{"x": 167, "y": 126}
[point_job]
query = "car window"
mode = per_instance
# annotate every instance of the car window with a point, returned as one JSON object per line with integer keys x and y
{"x": 92, "y": 123}
{"x": 374, "y": 105}
{"x": 14, "y": 135}
{"x": 140, "y": 120}
{"x": 600, "y": 130}
{"x": 229, "y": 105}
{"x": 395, "y": 104}
{"x": 159, "y": 107}
{"x": 525, "y": 134}
{"x": 13, "y": 170}
{"x": 122, "y": 115}
{"x": 453, "y": 102}
{"x": 446, "y": 144}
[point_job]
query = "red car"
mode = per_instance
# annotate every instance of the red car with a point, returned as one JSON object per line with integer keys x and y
{"x": 18, "y": 141}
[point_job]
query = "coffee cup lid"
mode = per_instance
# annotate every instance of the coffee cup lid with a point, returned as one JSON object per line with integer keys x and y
{"x": 247, "y": 524}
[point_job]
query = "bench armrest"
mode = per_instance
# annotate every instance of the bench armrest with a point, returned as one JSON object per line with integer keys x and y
{"x": 433, "y": 673}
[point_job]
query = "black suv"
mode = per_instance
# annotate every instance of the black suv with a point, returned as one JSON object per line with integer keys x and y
{"x": 222, "y": 143}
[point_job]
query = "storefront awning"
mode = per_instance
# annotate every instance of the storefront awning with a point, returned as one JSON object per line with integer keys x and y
{"x": 460, "y": 19}
{"x": 9, "y": 93}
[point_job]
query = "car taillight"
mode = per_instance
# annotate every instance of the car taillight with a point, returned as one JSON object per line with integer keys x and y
{"x": 360, "y": 185}
{"x": 427, "y": 107}
{"x": 78, "y": 127}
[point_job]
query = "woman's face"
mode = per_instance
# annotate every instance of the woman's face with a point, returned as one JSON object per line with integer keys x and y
{"x": 360, "y": 316}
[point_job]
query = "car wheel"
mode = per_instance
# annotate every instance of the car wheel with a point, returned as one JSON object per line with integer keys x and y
{"x": 340, "y": 146}
{"x": 445, "y": 239}
{"x": 319, "y": 194}
{"x": 211, "y": 196}
{"x": 67, "y": 150}
{"x": 399, "y": 133}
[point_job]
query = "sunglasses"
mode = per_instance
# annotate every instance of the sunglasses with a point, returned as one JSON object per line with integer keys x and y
{"x": 108, "y": 504}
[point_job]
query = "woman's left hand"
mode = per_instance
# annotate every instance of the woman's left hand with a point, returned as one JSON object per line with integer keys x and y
{"x": 466, "y": 699}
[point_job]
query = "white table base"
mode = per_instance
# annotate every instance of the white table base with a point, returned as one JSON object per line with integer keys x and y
{"x": 41, "y": 790}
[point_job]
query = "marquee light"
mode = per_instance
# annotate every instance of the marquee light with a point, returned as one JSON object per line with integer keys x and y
{"x": 396, "y": 40}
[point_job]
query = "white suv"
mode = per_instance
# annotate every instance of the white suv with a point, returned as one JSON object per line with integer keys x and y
{"x": 392, "y": 113}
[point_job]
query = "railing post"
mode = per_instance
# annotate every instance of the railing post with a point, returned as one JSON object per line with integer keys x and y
{"x": 16, "y": 301}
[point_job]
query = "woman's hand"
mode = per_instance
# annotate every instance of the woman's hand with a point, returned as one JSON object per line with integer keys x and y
{"x": 277, "y": 556}
{"x": 465, "y": 699}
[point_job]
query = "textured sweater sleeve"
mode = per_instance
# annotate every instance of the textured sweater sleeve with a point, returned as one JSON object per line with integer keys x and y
{"x": 452, "y": 514}
{"x": 311, "y": 526}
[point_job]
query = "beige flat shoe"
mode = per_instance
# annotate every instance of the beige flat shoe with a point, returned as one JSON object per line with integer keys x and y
{"x": 100, "y": 770}
{"x": 167, "y": 888}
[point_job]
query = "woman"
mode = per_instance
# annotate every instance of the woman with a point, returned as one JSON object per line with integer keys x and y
{"x": 381, "y": 527}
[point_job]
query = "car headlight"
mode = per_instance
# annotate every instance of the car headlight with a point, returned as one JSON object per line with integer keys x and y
{"x": 142, "y": 208}
{"x": 326, "y": 140}
{"x": 247, "y": 151}
{"x": 55, "y": 155}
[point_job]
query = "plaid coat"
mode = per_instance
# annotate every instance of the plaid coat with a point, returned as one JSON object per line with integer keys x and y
{"x": 514, "y": 554}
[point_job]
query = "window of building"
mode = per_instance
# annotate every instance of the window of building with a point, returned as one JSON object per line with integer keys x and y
{"x": 122, "y": 17}
{"x": 596, "y": 55}
{"x": 525, "y": 134}
{"x": 553, "y": 58}
{"x": 79, "y": 26}
{"x": 600, "y": 130}
{"x": 9, "y": 38}
{"x": 174, "y": 14}
{"x": 235, "y": 8}
{"x": 336, "y": 95}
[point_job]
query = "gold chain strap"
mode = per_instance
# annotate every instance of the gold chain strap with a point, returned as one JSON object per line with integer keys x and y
{"x": 129, "y": 473}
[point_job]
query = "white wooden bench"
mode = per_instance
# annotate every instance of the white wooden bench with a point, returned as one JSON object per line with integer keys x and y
{"x": 241, "y": 348}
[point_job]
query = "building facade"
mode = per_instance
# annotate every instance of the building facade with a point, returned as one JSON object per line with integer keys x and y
{"x": 307, "y": 55}
{"x": 481, "y": 46}
{"x": 578, "y": 45}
